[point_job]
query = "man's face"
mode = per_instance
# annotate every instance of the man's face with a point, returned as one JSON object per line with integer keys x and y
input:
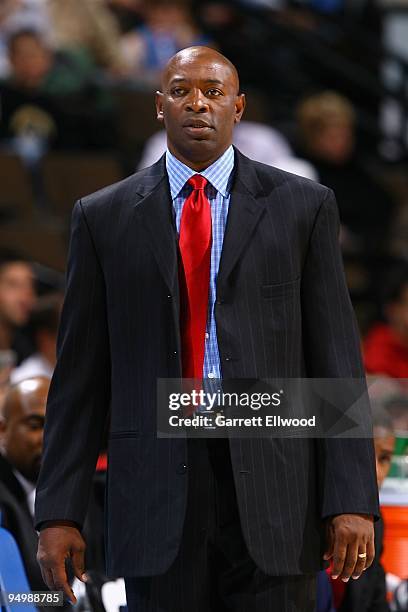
{"x": 17, "y": 294}
{"x": 21, "y": 434}
{"x": 30, "y": 60}
{"x": 335, "y": 143}
{"x": 384, "y": 443}
{"x": 199, "y": 106}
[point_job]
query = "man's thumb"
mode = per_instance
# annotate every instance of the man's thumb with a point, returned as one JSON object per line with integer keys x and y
{"x": 78, "y": 566}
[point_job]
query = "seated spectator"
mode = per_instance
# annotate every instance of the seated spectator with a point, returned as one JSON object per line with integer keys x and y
{"x": 17, "y": 300}
{"x": 392, "y": 393}
{"x": 44, "y": 328}
{"x": 168, "y": 27}
{"x": 368, "y": 593}
{"x": 386, "y": 344}
{"x": 127, "y": 12}
{"x": 7, "y": 364}
{"x": 88, "y": 25}
{"x": 255, "y": 140}
{"x": 50, "y": 97}
{"x": 327, "y": 124}
{"x": 22, "y": 417}
{"x": 17, "y": 15}
{"x": 397, "y": 408}
{"x": 21, "y": 438}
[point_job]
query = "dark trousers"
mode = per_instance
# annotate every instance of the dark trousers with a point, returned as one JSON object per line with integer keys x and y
{"x": 213, "y": 571}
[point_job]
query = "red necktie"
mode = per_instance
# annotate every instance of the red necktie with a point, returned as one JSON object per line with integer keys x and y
{"x": 195, "y": 249}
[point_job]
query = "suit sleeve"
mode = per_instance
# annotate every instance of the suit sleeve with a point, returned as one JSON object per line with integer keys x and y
{"x": 347, "y": 477}
{"x": 79, "y": 396}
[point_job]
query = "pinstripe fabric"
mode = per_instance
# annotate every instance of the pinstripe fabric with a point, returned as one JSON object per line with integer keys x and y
{"x": 213, "y": 571}
{"x": 282, "y": 310}
{"x": 219, "y": 176}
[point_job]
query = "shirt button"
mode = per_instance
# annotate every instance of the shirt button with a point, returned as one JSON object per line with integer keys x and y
{"x": 211, "y": 375}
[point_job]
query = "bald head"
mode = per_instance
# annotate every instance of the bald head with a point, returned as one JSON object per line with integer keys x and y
{"x": 22, "y": 424}
{"x": 28, "y": 392}
{"x": 204, "y": 55}
{"x": 199, "y": 105}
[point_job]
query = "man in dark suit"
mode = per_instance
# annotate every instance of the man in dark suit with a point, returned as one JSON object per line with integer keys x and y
{"x": 203, "y": 525}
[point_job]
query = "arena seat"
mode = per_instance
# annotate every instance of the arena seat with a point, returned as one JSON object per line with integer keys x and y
{"x": 45, "y": 245}
{"x": 69, "y": 176}
{"x": 16, "y": 193}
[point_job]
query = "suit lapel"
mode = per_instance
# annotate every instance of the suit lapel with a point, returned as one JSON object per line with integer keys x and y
{"x": 244, "y": 213}
{"x": 155, "y": 210}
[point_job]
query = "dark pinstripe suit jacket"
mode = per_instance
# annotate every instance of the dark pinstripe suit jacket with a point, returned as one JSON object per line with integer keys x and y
{"x": 282, "y": 310}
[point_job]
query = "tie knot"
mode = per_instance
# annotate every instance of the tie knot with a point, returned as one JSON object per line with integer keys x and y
{"x": 197, "y": 181}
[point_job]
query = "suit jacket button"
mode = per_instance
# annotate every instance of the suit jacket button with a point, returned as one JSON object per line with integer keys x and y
{"x": 219, "y": 302}
{"x": 182, "y": 468}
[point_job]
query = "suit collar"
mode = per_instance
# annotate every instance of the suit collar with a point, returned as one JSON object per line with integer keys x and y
{"x": 156, "y": 211}
{"x": 246, "y": 174}
{"x": 218, "y": 173}
{"x": 148, "y": 179}
{"x": 245, "y": 211}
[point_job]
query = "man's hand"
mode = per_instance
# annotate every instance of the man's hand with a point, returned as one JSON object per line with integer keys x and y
{"x": 350, "y": 543}
{"x": 57, "y": 543}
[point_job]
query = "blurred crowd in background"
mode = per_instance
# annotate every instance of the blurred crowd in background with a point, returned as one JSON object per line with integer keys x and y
{"x": 327, "y": 98}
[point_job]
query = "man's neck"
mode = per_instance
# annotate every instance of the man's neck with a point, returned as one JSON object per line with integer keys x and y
{"x": 197, "y": 166}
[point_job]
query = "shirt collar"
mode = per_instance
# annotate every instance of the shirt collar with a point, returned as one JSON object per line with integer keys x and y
{"x": 218, "y": 174}
{"x": 25, "y": 483}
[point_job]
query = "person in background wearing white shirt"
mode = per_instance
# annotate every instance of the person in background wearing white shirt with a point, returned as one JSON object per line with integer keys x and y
{"x": 44, "y": 325}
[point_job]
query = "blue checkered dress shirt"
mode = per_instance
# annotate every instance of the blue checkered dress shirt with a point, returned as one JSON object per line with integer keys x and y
{"x": 219, "y": 177}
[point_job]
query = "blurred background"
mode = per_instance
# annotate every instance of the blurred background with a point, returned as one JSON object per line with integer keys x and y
{"x": 327, "y": 98}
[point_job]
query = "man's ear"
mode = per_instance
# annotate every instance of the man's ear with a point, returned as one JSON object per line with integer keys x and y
{"x": 159, "y": 106}
{"x": 239, "y": 107}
